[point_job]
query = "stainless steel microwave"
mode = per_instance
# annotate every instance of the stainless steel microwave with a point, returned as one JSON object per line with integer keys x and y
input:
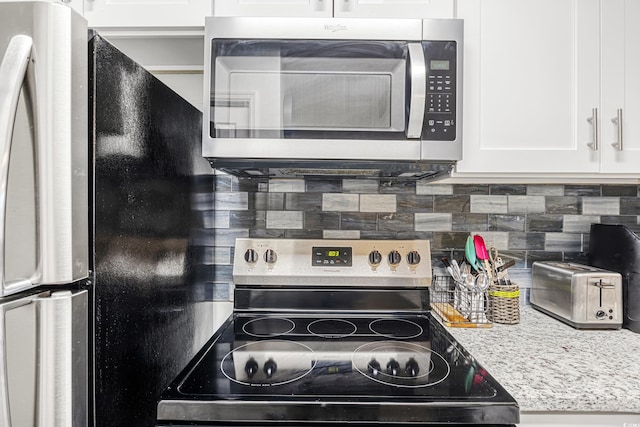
{"x": 315, "y": 96}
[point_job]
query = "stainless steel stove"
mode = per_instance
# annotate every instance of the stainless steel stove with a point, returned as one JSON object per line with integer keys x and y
{"x": 334, "y": 331}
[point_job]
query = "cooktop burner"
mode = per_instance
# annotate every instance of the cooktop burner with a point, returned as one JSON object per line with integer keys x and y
{"x": 332, "y": 328}
{"x": 268, "y": 327}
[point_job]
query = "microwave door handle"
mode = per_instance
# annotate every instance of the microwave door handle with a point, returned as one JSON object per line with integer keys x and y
{"x": 14, "y": 71}
{"x": 418, "y": 90}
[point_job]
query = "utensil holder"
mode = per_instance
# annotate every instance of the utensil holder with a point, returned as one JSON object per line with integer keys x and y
{"x": 504, "y": 304}
{"x": 457, "y": 306}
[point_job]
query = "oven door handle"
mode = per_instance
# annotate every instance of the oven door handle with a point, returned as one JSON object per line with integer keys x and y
{"x": 418, "y": 90}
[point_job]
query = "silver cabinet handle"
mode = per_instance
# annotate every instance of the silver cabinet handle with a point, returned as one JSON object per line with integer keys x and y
{"x": 618, "y": 121}
{"x": 418, "y": 90}
{"x": 14, "y": 70}
{"x": 594, "y": 124}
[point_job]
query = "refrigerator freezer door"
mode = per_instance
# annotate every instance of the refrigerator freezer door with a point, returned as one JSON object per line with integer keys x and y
{"x": 44, "y": 360}
{"x": 44, "y": 226}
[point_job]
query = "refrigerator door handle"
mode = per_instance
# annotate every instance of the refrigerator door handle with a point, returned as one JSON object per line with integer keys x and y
{"x": 14, "y": 72}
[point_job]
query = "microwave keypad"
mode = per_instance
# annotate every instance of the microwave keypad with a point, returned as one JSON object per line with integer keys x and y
{"x": 440, "y": 114}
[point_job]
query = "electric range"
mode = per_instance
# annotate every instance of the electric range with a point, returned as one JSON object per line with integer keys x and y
{"x": 334, "y": 331}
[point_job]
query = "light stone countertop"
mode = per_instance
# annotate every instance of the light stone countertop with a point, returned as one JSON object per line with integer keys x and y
{"x": 547, "y": 365}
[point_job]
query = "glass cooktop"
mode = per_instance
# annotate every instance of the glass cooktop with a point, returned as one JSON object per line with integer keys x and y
{"x": 293, "y": 368}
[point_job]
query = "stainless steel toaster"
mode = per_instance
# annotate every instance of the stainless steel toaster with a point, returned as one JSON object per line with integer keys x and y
{"x": 585, "y": 297}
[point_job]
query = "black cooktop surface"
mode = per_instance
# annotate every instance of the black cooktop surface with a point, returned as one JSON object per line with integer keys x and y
{"x": 290, "y": 367}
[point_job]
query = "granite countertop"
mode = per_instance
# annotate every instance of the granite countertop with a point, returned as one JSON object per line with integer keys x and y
{"x": 547, "y": 365}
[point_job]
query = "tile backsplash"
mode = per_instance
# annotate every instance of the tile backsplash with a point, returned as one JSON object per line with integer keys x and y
{"x": 526, "y": 223}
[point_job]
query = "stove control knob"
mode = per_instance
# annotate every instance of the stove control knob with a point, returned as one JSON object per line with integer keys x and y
{"x": 270, "y": 256}
{"x": 411, "y": 368}
{"x": 270, "y": 368}
{"x": 375, "y": 257}
{"x": 251, "y": 367}
{"x": 413, "y": 258}
{"x": 394, "y": 257}
{"x": 373, "y": 368}
{"x": 251, "y": 256}
{"x": 393, "y": 368}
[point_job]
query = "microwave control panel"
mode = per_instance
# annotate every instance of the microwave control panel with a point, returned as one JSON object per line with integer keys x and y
{"x": 440, "y": 110}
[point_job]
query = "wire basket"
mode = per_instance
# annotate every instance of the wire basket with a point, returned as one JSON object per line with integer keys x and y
{"x": 504, "y": 303}
{"x": 457, "y": 306}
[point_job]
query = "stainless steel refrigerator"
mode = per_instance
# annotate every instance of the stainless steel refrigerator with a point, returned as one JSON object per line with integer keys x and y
{"x": 104, "y": 198}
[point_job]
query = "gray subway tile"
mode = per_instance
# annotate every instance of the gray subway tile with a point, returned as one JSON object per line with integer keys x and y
{"x": 415, "y": 235}
{"x": 227, "y": 236}
{"x": 378, "y": 203}
{"x": 287, "y": 220}
{"x": 629, "y": 206}
{"x": 303, "y": 202}
{"x": 563, "y": 242}
{"x": 247, "y": 219}
{"x": 509, "y": 190}
{"x": 500, "y": 222}
{"x": 450, "y": 204}
{"x": 286, "y": 185}
{"x": 600, "y": 205}
{"x": 231, "y": 201}
{"x": 489, "y": 204}
{"x": 626, "y": 220}
{"x": 397, "y": 187}
{"x": 433, "y": 189}
{"x": 563, "y": 205}
{"x": 578, "y": 223}
{"x": 360, "y": 186}
{"x": 248, "y": 185}
{"x": 263, "y": 233}
{"x": 378, "y": 235}
{"x": 544, "y": 223}
{"x": 469, "y": 222}
{"x": 321, "y": 220}
{"x": 526, "y": 204}
{"x": 340, "y": 202}
{"x": 449, "y": 240}
{"x": 266, "y": 201}
{"x": 582, "y": 190}
{"x": 469, "y": 189}
{"x": 620, "y": 190}
{"x": 526, "y": 241}
{"x": 303, "y": 234}
{"x": 433, "y": 221}
{"x": 341, "y": 234}
{"x": 409, "y": 203}
{"x": 328, "y": 186}
{"x": 395, "y": 222}
{"x": 545, "y": 190}
{"x": 359, "y": 221}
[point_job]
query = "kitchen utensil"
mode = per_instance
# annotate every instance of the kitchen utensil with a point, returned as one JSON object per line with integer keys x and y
{"x": 482, "y": 283}
{"x": 482, "y": 254}
{"x": 470, "y": 254}
{"x": 455, "y": 273}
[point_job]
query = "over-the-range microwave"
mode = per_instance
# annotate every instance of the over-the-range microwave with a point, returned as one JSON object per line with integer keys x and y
{"x": 367, "y": 98}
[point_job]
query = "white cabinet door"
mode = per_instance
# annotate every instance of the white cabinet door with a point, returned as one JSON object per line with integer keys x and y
{"x": 147, "y": 13}
{"x": 620, "y": 86}
{"x": 532, "y": 74}
{"x": 302, "y": 8}
{"x": 394, "y": 8}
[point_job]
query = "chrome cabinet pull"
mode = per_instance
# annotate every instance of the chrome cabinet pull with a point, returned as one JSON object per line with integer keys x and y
{"x": 594, "y": 125}
{"x": 418, "y": 90}
{"x": 618, "y": 121}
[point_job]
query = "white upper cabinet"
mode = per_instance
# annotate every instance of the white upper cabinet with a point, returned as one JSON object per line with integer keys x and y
{"x": 620, "y": 86}
{"x": 307, "y": 8}
{"x": 531, "y": 86}
{"x": 393, "y": 9}
{"x": 146, "y": 13}
{"x": 337, "y": 8}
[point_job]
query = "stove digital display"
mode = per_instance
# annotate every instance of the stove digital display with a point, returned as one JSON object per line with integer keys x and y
{"x": 332, "y": 257}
